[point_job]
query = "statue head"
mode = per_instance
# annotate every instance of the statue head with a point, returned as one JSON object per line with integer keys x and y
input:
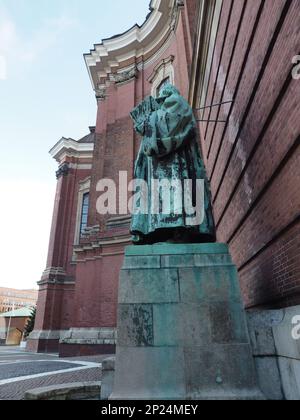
{"x": 168, "y": 90}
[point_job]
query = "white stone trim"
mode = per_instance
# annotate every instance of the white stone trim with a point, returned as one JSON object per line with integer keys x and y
{"x": 47, "y": 334}
{"x": 161, "y": 72}
{"x": 208, "y": 21}
{"x": 69, "y": 147}
{"x": 54, "y": 271}
{"x": 135, "y": 34}
{"x": 81, "y": 166}
{"x": 135, "y": 43}
{"x": 90, "y": 336}
{"x": 212, "y": 41}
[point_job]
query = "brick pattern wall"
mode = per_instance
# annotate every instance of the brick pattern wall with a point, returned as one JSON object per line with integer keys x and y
{"x": 253, "y": 159}
{"x": 55, "y": 308}
{"x": 114, "y": 152}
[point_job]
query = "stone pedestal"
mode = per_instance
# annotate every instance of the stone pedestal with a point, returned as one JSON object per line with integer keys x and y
{"x": 182, "y": 331}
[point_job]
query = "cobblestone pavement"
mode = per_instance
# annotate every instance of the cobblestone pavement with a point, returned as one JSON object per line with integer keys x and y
{"x": 21, "y": 371}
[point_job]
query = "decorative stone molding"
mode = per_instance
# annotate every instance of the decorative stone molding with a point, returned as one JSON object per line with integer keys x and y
{"x": 114, "y": 55}
{"x": 162, "y": 71}
{"x": 100, "y": 245}
{"x": 47, "y": 334}
{"x": 81, "y": 166}
{"x": 207, "y": 26}
{"x": 54, "y": 271}
{"x": 71, "y": 148}
{"x": 100, "y": 93}
{"x": 118, "y": 222}
{"x": 90, "y": 231}
{"x": 125, "y": 76}
{"x": 63, "y": 170}
{"x": 178, "y": 4}
{"x": 55, "y": 275}
{"x": 90, "y": 336}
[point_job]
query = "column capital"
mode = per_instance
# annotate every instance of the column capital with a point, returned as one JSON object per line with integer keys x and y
{"x": 63, "y": 170}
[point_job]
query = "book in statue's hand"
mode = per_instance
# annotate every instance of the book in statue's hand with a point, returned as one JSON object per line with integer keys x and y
{"x": 144, "y": 109}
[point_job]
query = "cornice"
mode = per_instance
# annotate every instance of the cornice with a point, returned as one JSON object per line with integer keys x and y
{"x": 70, "y": 147}
{"x": 107, "y": 61}
{"x": 102, "y": 244}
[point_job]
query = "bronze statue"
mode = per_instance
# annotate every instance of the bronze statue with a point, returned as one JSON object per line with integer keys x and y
{"x": 169, "y": 152}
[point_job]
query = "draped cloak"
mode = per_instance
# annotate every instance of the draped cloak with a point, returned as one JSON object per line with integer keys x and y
{"x": 169, "y": 150}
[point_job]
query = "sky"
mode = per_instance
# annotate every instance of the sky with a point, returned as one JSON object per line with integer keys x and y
{"x": 45, "y": 93}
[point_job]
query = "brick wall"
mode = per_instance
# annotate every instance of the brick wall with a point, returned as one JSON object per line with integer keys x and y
{"x": 253, "y": 159}
{"x": 55, "y": 307}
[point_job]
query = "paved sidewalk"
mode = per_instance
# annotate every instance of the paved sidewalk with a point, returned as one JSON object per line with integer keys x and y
{"x": 21, "y": 371}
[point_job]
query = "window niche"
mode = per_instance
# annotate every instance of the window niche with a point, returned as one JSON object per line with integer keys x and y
{"x": 84, "y": 212}
{"x": 162, "y": 74}
{"x": 82, "y": 208}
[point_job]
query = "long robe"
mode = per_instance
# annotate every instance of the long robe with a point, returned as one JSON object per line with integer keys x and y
{"x": 169, "y": 150}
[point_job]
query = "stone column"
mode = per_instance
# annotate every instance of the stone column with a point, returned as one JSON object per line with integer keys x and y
{"x": 182, "y": 331}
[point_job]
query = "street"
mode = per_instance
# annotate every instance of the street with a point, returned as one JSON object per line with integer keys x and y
{"x": 21, "y": 371}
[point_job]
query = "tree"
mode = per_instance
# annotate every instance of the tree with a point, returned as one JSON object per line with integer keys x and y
{"x": 30, "y": 323}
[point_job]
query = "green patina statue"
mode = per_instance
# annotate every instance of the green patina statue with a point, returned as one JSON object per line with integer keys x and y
{"x": 169, "y": 170}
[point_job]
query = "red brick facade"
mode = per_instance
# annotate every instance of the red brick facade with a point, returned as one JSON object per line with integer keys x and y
{"x": 252, "y": 161}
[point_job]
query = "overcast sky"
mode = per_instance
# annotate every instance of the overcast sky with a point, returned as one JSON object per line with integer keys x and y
{"x": 45, "y": 93}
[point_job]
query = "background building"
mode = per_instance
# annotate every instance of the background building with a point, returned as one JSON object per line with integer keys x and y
{"x": 234, "y": 58}
{"x": 11, "y": 299}
{"x": 12, "y": 326}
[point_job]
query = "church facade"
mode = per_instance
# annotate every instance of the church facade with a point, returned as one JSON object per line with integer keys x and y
{"x": 234, "y": 61}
